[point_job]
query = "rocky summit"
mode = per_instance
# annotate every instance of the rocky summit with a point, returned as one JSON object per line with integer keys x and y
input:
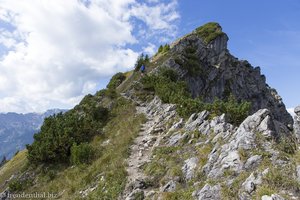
{"x": 198, "y": 124}
{"x": 212, "y": 72}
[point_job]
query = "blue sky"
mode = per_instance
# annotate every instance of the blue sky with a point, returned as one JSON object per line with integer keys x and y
{"x": 54, "y": 52}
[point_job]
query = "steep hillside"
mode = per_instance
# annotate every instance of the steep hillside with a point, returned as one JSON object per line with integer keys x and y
{"x": 199, "y": 124}
{"x": 16, "y": 130}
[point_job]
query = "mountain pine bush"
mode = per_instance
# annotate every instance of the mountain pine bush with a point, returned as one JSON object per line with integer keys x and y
{"x": 167, "y": 85}
{"x": 59, "y": 132}
{"x": 82, "y": 153}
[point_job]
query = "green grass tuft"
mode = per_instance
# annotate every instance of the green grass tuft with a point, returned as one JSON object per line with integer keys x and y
{"x": 209, "y": 31}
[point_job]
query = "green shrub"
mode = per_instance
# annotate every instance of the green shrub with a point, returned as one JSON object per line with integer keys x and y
{"x": 139, "y": 195}
{"x": 209, "y": 31}
{"x": 116, "y": 80}
{"x": 15, "y": 185}
{"x": 166, "y": 48}
{"x": 190, "y": 50}
{"x": 100, "y": 114}
{"x": 170, "y": 74}
{"x": 163, "y": 49}
{"x": 51, "y": 174}
{"x": 170, "y": 89}
{"x": 178, "y": 61}
{"x": 58, "y": 132}
{"x": 190, "y": 62}
{"x": 189, "y": 106}
{"x": 166, "y": 85}
{"x": 82, "y": 153}
{"x": 235, "y": 111}
{"x": 101, "y": 93}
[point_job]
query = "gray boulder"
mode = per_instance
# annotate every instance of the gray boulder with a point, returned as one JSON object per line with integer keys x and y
{"x": 195, "y": 120}
{"x": 260, "y": 121}
{"x": 205, "y": 128}
{"x": 251, "y": 183}
{"x": 177, "y": 125}
{"x": 212, "y": 158}
{"x": 169, "y": 187}
{"x": 253, "y": 162}
{"x": 208, "y": 193}
{"x": 243, "y": 138}
{"x": 272, "y": 197}
{"x": 297, "y": 122}
{"x": 232, "y": 161}
{"x": 174, "y": 139}
{"x": 189, "y": 167}
{"x": 298, "y": 173}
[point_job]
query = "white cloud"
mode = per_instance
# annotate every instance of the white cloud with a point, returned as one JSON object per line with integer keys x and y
{"x": 150, "y": 49}
{"x": 61, "y": 50}
{"x": 159, "y": 17}
{"x": 153, "y": 1}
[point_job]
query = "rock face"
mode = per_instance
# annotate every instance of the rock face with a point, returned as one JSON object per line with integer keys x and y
{"x": 218, "y": 74}
{"x": 297, "y": 122}
{"x": 243, "y": 139}
{"x": 189, "y": 167}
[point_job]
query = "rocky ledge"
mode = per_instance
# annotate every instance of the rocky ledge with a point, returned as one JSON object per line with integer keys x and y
{"x": 215, "y": 158}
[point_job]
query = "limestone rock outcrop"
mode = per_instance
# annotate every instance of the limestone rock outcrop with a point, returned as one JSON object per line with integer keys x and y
{"x": 209, "y": 193}
{"x": 212, "y": 72}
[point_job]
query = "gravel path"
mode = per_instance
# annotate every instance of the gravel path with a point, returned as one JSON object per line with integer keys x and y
{"x": 148, "y": 138}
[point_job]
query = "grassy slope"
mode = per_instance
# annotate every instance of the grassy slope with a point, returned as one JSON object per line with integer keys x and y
{"x": 15, "y": 165}
{"x": 107, "y": 170}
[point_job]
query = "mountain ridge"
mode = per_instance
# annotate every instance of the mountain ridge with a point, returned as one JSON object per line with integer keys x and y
{"x": 184, "y": 129}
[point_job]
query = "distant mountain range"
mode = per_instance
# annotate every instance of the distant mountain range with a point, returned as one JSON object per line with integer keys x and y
{"x": 17, "y": 130}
